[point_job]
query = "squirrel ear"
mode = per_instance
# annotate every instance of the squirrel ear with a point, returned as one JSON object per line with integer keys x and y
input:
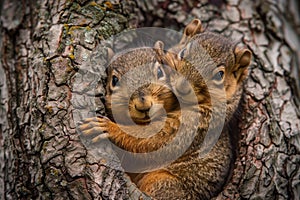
{"x": 159, "y": 49}
{"x": 243, "y": 59}
{"x": 193, "y": 28}
{"x": 110, "y": 53}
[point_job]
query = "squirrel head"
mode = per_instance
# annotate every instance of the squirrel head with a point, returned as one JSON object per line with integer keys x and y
{"x": 137, "y": 88}
{"x": 209, "y": 66}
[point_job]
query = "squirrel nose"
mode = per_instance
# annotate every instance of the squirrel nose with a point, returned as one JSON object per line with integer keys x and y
{"x": 182, "y": 87}
{"x": 143, "y": 103}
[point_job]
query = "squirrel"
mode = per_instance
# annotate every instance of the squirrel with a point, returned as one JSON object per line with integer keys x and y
{"x": 203, "y": 65}
{"x": 211, "y": 67}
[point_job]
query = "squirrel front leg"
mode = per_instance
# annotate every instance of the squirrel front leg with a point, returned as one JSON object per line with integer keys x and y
{"x": 103, "y": 127}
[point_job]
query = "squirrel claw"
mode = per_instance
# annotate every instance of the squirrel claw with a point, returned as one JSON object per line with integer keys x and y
{"x": 93, "y": 126}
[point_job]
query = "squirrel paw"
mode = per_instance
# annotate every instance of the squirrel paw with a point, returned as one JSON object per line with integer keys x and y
{"x": 96, "y": 127}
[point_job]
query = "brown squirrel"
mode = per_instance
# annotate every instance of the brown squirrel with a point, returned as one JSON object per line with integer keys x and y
{"x": 207, "y": 66}
{"x": 215, "y": 69}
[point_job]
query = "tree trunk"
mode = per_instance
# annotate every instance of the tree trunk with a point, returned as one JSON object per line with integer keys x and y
{"x": 43, "y": 43}
{"x": 44, "y": 90}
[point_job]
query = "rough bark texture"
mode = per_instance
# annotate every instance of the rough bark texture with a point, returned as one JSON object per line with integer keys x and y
{"x": 44, "y": 49}
{"x": 43, "y": 45}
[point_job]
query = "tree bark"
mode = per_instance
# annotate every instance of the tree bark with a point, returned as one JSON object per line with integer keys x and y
{"x": 43, "y": 44}
{"x": 267, "y": 166}
{"x": 43, "y": 91}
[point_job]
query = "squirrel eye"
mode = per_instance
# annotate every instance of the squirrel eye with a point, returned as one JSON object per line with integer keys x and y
{"x": 160, "y": 73}
{"x": 219, "y": 76}
{"x": 181, "y": 53}
{"x": 114, "y": 81}
{"x": 184, "y": 51}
